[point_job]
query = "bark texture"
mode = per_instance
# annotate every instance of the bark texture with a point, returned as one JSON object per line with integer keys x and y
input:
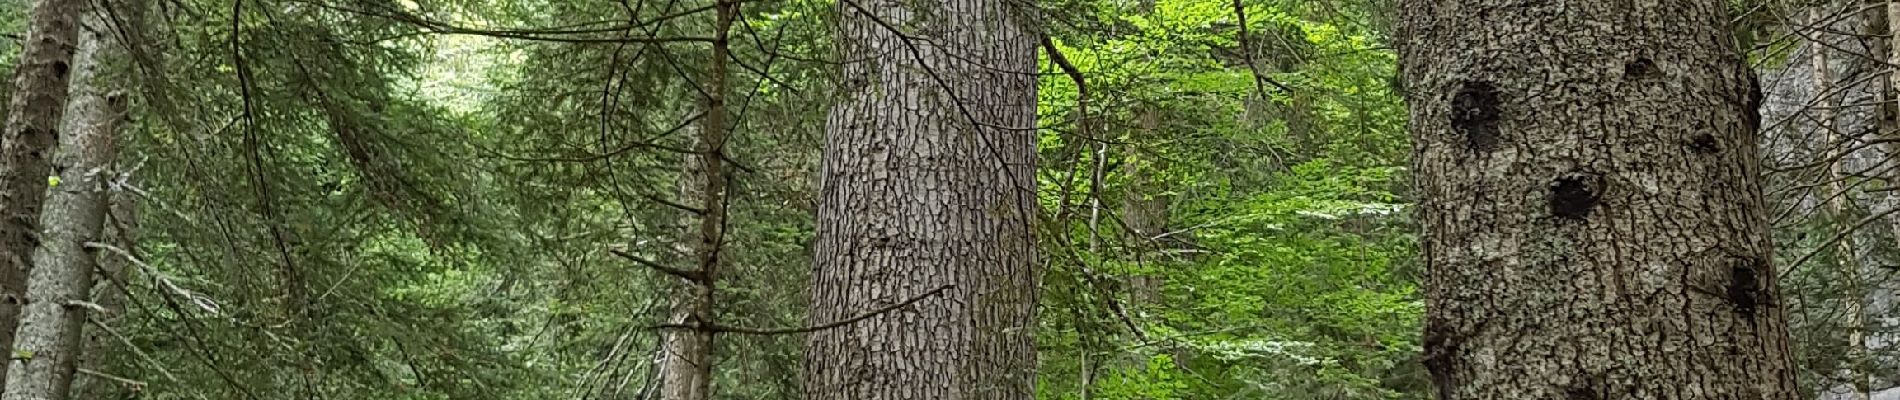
{"x": 59, "y": 288}
{"x": 33, "y": 118}
{"x": 929, "y": 167}
{"x": 1594, "y": 226}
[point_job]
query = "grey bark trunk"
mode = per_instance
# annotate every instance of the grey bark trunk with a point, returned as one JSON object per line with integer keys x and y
{"x": 688, "y": 362}
{"x": 682, "y": 351}
{"x": 33, "y": 117}
{"x": 928, "y": 187}
{"x": 59, "y": 288}
{"x": 1593, "y": 218}
{"x": 109, "y": 293}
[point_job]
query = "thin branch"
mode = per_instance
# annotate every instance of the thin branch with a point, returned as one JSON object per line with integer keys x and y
{"x": 807, "y": 329}
{"x": 1246, "y": 51}
{"x": 698, "y": 277}
{"x": 161, "y": 367}
{"x": 644, "y": 144}
{"x": 674, "y": 204}
{"x": 540, "y": 34}
{"x": 135, "y": 385}
{"x": 1839, "y": 237}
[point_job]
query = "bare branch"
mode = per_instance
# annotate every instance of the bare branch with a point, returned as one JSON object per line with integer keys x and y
{"x": 697, "y": 277}
{"x": 807, "y": 329}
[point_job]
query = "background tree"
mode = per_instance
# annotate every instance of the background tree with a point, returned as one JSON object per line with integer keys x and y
{"x": 59, "y": 289}
{"x": 39, "y": 92}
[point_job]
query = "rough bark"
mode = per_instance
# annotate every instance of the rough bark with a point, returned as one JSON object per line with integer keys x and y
{"x": 59, "y": 287}
{"x": 33, "y": 117}
{"x": 1594, "y": 225}
{"x": 928, "y": 184}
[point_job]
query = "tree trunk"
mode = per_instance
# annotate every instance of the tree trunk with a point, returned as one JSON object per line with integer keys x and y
{"x": 109, "y": 293}
{"x": 929, "y": 185}
{"x": 1593, "y": 218}
{"x": 59, "y": 288}
{"x": 33, "y": 117}
{"x": 1838, "y": 197}
{"x": 1145, "y": 208}
{"x": 682, "y": 351}
{"x": 688, "y": 362}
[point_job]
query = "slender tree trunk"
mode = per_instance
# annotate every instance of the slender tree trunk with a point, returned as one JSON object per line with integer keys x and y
{"x": 682, "y": 351}
{"x": 1838, "y": 198}
{"x": 1593, "y": 218}
{"x": 128, "y": 33}
{"x": 1145, "y": 208}
{"x": 688, "y": 369}
{"x": 59, "y": 289}
{"x": 109, "y": 293}
{"x": 929, "y": 184}
{"x": 33, "y": 117}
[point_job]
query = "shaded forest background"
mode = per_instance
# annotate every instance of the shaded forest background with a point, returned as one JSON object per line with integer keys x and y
{"x": 447, "y": 199}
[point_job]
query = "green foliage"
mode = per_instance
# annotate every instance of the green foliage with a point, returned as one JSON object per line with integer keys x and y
{"x": 344, "y": 202}
{"x": 1285, "y": 255}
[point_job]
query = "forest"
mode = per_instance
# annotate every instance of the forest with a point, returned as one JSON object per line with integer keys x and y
{"x": 950, "y": 199}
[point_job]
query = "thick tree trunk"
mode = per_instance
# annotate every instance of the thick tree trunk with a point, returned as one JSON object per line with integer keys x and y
{"x": 59, "y": 288}
{"x": 1593, "y": 218}
{"x": 33, "y": 117}
{"x": 929, "y": 184}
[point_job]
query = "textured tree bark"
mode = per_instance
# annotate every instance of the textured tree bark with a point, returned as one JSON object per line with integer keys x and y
{"x": 59, "y": 288}
{"x": 1590, "y": 194}
{"x": 33, "y": 117}
{"x": 929, "y": 168}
